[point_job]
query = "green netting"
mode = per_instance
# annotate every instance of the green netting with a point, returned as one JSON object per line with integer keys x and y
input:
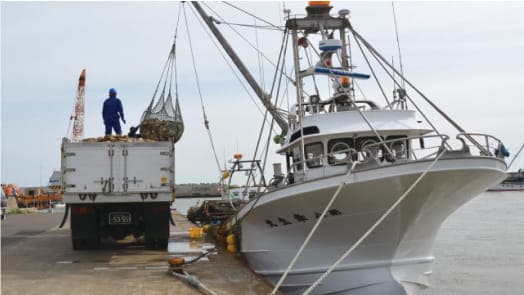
{"x": 161, "y": 120}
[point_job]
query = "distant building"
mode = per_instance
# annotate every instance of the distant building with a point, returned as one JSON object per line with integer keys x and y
{"x": 54, "y": 181}
{"x": 198, "y": 188}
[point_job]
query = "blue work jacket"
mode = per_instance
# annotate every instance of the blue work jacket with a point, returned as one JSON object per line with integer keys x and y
{"x": 112, "y": 110}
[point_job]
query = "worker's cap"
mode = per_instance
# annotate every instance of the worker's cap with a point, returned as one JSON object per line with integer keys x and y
{"x": 112, "y": 91}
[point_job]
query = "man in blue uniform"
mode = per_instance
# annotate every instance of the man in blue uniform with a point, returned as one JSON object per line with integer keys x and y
{"x": 112, "y": 113}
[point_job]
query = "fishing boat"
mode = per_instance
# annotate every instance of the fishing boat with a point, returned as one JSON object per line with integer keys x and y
{"x": 366, "y": 186}
{"x": 514, "y": 181}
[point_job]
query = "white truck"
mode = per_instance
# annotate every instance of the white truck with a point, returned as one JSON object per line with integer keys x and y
{"x": 116, "y": 189}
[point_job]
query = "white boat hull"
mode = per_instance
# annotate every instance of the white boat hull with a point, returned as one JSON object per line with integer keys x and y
{"x": 396, "y": 258}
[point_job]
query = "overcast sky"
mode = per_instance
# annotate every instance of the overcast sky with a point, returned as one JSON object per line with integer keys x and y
{"x": 467, "y": 57}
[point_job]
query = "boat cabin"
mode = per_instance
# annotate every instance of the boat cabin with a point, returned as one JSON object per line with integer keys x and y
{"x": 332, "y": 140}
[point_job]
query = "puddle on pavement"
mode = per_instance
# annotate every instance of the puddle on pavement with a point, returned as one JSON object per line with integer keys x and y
{"x": 189, "y": 249}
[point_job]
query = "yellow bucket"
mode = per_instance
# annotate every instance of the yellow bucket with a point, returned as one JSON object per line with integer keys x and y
{"x": 195, "y": 232}
{"x": 230, "y": 239}
{"x": 232, "y": 248}
{"x": 205, "y": 228}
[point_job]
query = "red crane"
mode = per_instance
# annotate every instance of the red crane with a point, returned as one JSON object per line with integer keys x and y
{"x": 77, "y": 116}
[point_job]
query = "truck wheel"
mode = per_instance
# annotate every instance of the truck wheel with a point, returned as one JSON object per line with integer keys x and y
{"x": 156, "y": 244}
{"x": 150, "y": 244}
{"x": 156, "y": 218}
{"x": 162, "y": 244}
{"x": 85, "y": 244}
{"x": 77, "y": 244}
{"x": 84, "y": 227}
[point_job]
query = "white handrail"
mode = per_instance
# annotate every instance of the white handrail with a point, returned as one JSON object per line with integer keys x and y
{"x": 487, "y": 137}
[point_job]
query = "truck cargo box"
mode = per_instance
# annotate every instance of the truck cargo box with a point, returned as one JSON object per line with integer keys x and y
{"x": 117, "y": 171}
{"x": 118, "y": 188}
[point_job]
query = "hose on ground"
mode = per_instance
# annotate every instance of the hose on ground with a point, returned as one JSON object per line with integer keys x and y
{"x": 193, "y": 281}
{"x": 171, "y": 220}
{"x": 65, "y": 216}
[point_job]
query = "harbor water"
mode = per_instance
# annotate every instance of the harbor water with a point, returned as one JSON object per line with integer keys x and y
{"x": 183, "y": 204}
{"x": 479, "y": 249}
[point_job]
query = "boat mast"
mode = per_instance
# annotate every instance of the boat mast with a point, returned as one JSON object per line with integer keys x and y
{"x": 346, "y": 56}
{"x": 265, "y": 98}
{"x": 298, "y": 78}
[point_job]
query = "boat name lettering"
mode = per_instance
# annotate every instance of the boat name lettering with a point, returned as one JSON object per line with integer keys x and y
{"x": 301, "y": 218}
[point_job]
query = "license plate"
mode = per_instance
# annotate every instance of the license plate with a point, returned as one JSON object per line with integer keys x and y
{"x": 119, "y": 218}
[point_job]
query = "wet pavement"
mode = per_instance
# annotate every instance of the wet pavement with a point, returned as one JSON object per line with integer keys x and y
{"x": 37, "y": 258}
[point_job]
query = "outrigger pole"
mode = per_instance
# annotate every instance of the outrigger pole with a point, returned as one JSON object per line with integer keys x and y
{"x": 265, "y": 98}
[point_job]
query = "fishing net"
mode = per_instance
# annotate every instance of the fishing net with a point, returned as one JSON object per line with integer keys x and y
{"x": 161, "y": 120}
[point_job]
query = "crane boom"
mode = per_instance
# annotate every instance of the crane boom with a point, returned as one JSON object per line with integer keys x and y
{"x": 78, "y": 112}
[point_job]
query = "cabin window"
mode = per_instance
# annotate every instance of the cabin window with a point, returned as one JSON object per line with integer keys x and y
{"x": 296, "y": 155}
{"x": 369, "y": 148}
{"x": 314, "y": 153}
{"x": 400, "y": 148}
{"x": 340, "y": 151}
{"x": 307, "y": 131}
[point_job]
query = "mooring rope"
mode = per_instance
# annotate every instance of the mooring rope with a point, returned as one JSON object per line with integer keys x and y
{"x": 314, "y": 229}
{"x": 377, "y": 223}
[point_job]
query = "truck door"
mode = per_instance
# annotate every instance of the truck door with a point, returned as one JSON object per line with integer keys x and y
{"x": 147, "y": 167}
{"x": 89, "y": 169}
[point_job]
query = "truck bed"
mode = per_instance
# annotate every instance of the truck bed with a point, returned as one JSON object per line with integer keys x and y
{"x": 117, "y": 171}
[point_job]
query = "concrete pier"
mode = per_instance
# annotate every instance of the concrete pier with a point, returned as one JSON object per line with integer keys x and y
{"x": 37, "y": 258}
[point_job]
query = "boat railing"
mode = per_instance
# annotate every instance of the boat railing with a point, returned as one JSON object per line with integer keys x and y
{"x": 486, "y": 145}
{"x": 402, "y": 149}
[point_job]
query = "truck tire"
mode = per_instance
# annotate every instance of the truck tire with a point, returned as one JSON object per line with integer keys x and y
{"x": 156, "y": 218}
{"x": 85, "y": 244}
{"x": 156, "y": 244}
{"x": 84, "y": 227}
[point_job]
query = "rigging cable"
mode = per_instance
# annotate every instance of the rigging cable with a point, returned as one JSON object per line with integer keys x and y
{"x": 372, "y": 71}
{"x": 167, "y": 73}
{"x": 157, "y": 87}
{"x": 398, "y": 44}
{"x": 264, "y": 162}
{"x": 228, "y": 63}
{"x": 308, "y": 53}
{"x": 375, "y": 225}
{"x": 346, "y": 92}
{"x": 206, "y": 122}
{"x": 280, "y": 58}
{"x": 343, "y": 183}
{"x": 359, "y": 89}
{"x": 355, "y": 34}
{"x": 282, "y": 49}
{"x": 244, "y": 38}
{"x": 174, "y": 53}
{"x": 444, "y": 115}
{"x": 260, "y": 62}
{"x": 515, "y": 157}
{"x": 249, "y": 26}
{"x": 251, "y": 14}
